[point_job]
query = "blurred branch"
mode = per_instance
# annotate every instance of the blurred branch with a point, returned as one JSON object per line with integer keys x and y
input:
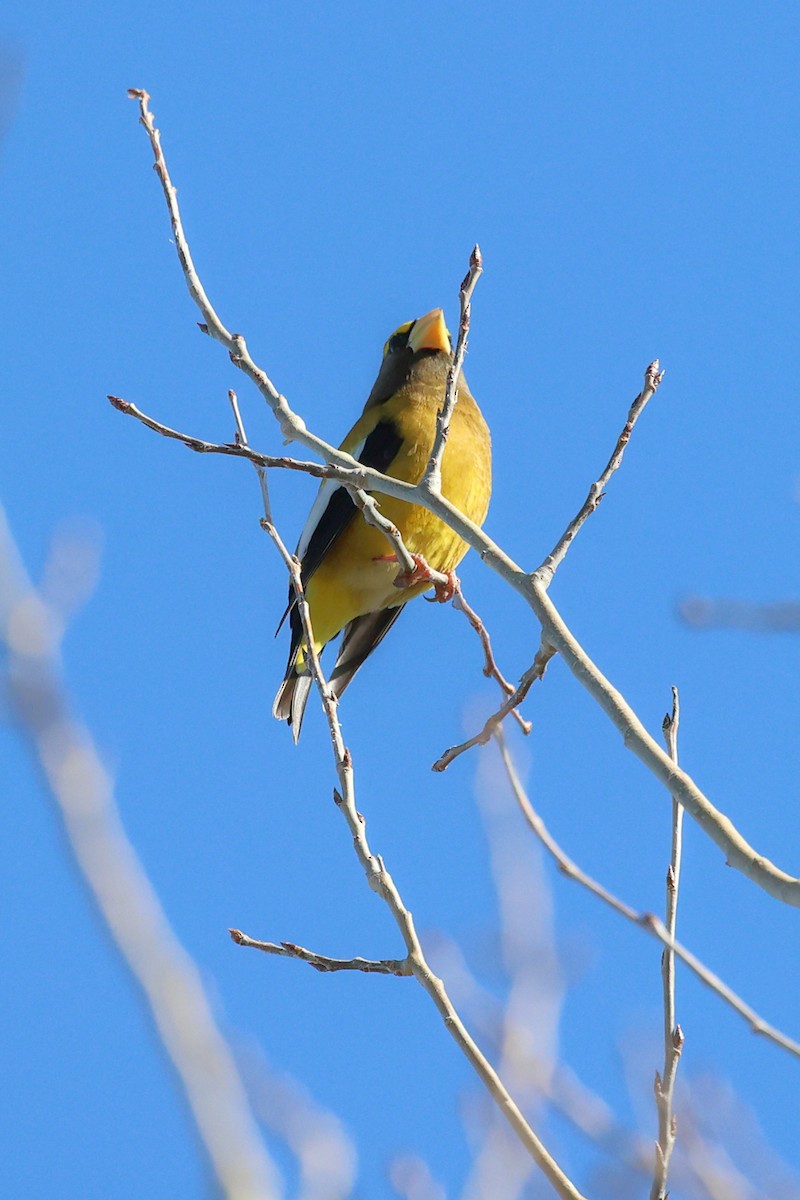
{"x": 412, "y": 1180}
{"x": 664, "y": 1086}
{"x": 169, "y": 980}
{"x": 700, "y": 612}
{"x": 700, "y": 1168}
{"x": 644, "y": 920}
{"x": 524, "y": 1031}
{"x": 652, "y": 380}
{"x": 381, "y": 882}
{"x": 322, "y": 1146}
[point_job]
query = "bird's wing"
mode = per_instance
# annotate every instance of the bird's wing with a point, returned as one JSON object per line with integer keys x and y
{"x": 333, "y": 508}
{"x": 360, "y": 638}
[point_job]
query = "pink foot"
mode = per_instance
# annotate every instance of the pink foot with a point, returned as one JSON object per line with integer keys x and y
{"x": 422, "y": 574}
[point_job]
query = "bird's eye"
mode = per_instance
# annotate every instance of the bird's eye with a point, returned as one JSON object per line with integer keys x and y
{"x": 398, "y": 340}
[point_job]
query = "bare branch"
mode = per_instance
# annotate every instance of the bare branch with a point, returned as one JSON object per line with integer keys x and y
{"x": 495, "y": 721}
{"x": 432, "y": 479}
{"x": 292, "y": 427}
{"x": 368, "y": 504}
{"x": 383, "y": 885}
{"x": 532, "y": 587}
{"x": 321, "y": 962}
{"x": 652, "y": 379}
{"x": 169, "y": 980}
{"x": 664, "y": 1086}
{"x": 738, "y": 852}
{"x": 490, "y": 667}
{"x": 644, "y": 920}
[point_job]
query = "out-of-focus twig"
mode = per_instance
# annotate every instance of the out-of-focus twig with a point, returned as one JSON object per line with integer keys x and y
{"x": 169, "y": 980}
{"x": 412, "y": 1180}
{"x": 524, "y": 1031}
{"x": 326, "y": 1157}
{"x": 664, "y": 1086}
{"x": 702, "y": 612}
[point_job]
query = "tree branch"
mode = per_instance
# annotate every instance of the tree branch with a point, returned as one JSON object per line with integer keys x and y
{"x": 652, "y": 379}
{"x": 664, "y": 1085}
{"x": 432, "y": 479}
{"x": 383, "y": 885}
{"x": 321, "y": 962}
{"x": 647, "y": 921}
{"x": 495, "y": 721}
{"x": 533, "y": 588}
{"x": 168, "y": 978}
{"x": 490, "y": 667}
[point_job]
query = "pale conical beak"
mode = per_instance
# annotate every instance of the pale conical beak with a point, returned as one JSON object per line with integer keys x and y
{"x": 430, "y": 333}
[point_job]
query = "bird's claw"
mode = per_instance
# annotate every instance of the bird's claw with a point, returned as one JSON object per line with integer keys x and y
{"x": 444, "y": 589}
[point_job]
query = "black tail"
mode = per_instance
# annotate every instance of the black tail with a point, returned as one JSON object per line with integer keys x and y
{"x": 360, "y": 638}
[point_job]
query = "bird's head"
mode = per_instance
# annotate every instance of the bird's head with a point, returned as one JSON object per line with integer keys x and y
{"x": 419, "y": 351}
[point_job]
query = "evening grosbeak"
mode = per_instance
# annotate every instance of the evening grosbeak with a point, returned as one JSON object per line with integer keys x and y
{"x": 347, "y": 567}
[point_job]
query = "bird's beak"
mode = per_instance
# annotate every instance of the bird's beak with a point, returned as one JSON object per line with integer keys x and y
{"x": 430, "y": 333}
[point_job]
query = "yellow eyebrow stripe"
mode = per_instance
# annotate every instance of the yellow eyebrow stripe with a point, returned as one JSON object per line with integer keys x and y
{"x": 400, "y": 329}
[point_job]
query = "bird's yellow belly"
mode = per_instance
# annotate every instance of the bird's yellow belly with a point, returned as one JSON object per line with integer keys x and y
{"x": 355, "y": 578}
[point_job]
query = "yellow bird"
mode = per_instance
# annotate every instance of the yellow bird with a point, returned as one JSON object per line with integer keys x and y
{"x": 349, "y": 573}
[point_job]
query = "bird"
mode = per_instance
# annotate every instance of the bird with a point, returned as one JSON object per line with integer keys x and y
{"x": 352, "y": 585}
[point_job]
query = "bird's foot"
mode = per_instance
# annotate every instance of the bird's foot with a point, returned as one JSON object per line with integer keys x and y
{"x": 445, "y": 588}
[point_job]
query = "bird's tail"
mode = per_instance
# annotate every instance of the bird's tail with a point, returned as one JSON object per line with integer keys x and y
{"x": 290, "y": 702}
{"x": 360, "y": 638}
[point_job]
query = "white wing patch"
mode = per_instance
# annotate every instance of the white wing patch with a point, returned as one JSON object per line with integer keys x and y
{"x": 326, "y": 490}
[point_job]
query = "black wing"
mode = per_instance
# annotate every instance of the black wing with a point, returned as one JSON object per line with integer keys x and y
{"x": 360, "y": 638}
{"x": 379, "y": 451}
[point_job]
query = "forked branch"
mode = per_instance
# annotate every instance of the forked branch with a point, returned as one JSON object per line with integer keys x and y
{"x": 532, "y": 587}
{"x": 381, "y": 881}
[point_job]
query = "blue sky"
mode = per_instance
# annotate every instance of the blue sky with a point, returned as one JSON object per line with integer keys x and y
{"x": 631, "y": 174}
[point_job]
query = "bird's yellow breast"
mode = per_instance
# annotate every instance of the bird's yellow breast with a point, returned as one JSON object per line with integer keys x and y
{"x": 354, "y": 577}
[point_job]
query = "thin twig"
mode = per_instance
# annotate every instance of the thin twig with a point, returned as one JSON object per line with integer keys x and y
{"x": 490, "y": 667}
{"x": 168, "y": 978}
{"x": 432, "y": 478}
{"x": 664, "y": 1085}
{"x": 652, "y": 379}
{"x": 322, "y": 962}
{"x": 647, "y": 921}
{"x": 495, "y": 721}
{"x": 738, "y": 852}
